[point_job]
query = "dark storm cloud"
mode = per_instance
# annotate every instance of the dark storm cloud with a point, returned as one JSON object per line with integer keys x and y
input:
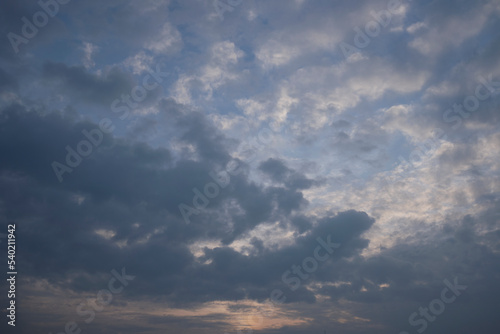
{"x": 232, "y": 275}
{"x": 278, "y": 172}
{"x": 120, "y": 184}
{"x": 275, "y": 169}
{"x": 10, "y": 21}
{"x": 387, "y": 288}
{"x": 13, "y": 19}
{"x": 210, "y": 144}
{"x": 132, "y": 183}
{"x": 7, "y": 81}
{"x": 90, "y": 87}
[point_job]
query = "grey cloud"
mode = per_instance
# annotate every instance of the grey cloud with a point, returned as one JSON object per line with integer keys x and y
{"x": 120, "y": 206}
{"x": 89, "y": 87}
{"x": 278, "y": 172}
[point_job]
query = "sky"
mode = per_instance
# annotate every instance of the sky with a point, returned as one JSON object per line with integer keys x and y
{"x": 250, "y": 167}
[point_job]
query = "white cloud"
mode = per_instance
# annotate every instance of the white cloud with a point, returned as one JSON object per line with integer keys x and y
{"x": 89, "y": 50}
{"x": 416, "y": 27}
{"x": 167, "y": 41}
{"x": 139, "y": 63}
{"x": 343, "y": 86}
{"x": 220, "y": 69}
{"x": 443, "y": 89}
{"x": 285, "y": 46}
{"x": 450, "y": 32}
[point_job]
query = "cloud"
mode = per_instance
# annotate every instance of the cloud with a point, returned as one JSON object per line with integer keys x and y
{"x": 371, "y": 154}
{"x": 218, "y": 71}
{"x": 449, "y": 31}
{"x": 167, "y": 41}
{"x": 88, "y": 51}
{"x": 89, "y": 87}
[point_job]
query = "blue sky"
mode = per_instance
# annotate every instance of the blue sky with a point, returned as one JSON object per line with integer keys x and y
{"x": 208, "y": 147}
